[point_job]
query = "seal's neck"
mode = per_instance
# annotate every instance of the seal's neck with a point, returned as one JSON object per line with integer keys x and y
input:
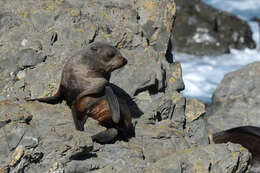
{"x": 99, "y": 74}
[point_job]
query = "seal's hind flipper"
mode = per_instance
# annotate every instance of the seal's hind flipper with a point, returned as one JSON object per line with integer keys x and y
{"x": 113, "y": 104}
{"x": 57, "y": 98}
{"x": 106, "y": 136}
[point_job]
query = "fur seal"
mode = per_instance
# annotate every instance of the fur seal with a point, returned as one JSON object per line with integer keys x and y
{"x": 247, "y": 136}
{"x": 86, "y": 89}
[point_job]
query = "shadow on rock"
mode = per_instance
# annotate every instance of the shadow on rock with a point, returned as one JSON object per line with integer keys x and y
{"x": 135, "y": 111}
{"x": 84, "y": 156}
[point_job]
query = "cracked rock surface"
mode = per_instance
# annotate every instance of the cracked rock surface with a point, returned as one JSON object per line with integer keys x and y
{"x": 37, "y": 37}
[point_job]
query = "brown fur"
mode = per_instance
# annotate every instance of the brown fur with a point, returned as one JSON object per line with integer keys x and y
{"x": 83, "y": 80}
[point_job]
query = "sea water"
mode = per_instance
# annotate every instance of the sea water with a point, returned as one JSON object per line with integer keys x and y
{"x": 202, "y": 75}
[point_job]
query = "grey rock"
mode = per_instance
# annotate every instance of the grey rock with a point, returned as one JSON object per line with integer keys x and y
{"x": 178, "y": 116}
{"x": 160, "y": 140}
{"x": 15, "y": 137}
{"x": 164, "y": 110}
{"x": 195, "y": 127}
{"x": 29, "y": 58}
{"x": 51, "y": 32}
{"x": 8, "y": 21}
{"x": 50, "y": 134}
{"x": 144, "y": 78}
{"x": 174, "y": 79}
{"x": 29, "y": 157}
{"x": 106, "y": 136}
{"x": 42, "y": 20}
{"x": 196, "y": 133}
{"x": 80, "y": 167}
{"x": 236, "y": 100}
{"x": 204, "y": 30}
{"x": 215, "y": 158}
{"x": 115, "y": 154}
{"x": 4, "y": 148}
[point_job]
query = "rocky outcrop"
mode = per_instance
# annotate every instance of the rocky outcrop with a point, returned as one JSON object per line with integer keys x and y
{"x": 36, "y": 38}
{"x": 235, "y": 108}
{"x": 32, "y": 140}
{"x": 187, "y": 160}
{"x": 204, "y": 30}
{"x": 236, "y": 100}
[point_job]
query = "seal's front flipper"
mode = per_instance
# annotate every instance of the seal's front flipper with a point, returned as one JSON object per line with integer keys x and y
{"x": 113, "y": 104}
{"x": 106, "y": 136}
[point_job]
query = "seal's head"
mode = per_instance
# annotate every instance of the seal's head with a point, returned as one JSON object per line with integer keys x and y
{"x": 108, "y": 56}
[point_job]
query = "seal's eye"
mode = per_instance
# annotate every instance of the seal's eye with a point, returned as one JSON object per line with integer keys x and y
{"x": 110, "y": 54}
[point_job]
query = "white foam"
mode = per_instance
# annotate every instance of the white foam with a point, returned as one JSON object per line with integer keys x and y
{"x": 243, "y": 8}
{"x": 203, "y": 74}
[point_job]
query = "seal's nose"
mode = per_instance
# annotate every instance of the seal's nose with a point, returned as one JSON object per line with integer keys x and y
{"x": 124, "y": 60}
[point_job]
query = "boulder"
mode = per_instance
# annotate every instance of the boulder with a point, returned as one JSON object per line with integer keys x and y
{"x": 236, "y": 100}
{"x": 36, "y": 134}
{"x": 204, "y": 30}
{"x": 212, "y": 158}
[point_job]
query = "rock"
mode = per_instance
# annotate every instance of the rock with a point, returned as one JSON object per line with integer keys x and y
{"x": 29, "y": 159}
{"x": 235, "y": 101}
{"x": 122, "y": 157}
{"x": 26, "y": 58}
{"x": 45, "y": 34}
{"x": 178, "y": 116}
{"x": 17, "y": 155}
{"x": 44, "y": 135}
{"x": 212, "y": 158}
{"x": 194, "y": 109}
{"x": 194, "y": 126}
{"x": 29, "y": 58}
{"x": 204, "y": 30}
{"x": 106, "y": 136}
{"x": 15, "y": 137}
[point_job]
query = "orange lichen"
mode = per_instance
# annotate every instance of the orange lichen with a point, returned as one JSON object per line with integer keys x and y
{"x": 150, "y": 5}
{"x": 171, "y": 80}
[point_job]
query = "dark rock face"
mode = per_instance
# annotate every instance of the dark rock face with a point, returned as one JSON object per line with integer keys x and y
{"x": 36, "y": 40}
{"x": 204, "y": 30}
{"x": 236, "y": 100}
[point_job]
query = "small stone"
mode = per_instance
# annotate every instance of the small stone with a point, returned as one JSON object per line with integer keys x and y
{"x": 17, "y": 155}
{"x": 194, "y": 109}
{"x": 21, "y": 74}
{"x": 82, "y": 144}
{"x": 56, "y": 168}
{"x": 24, "y": 42}
{"x": 4, "y": 169}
